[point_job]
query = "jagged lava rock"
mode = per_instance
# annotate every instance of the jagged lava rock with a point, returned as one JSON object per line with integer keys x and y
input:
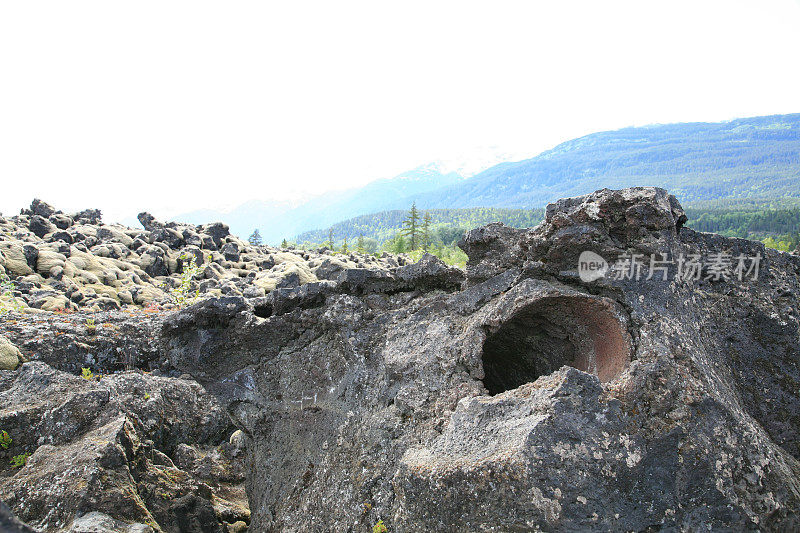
{"x": 511, "y": 397}
{"x": 71, "y": 262}
{"x": 526, "y": 399}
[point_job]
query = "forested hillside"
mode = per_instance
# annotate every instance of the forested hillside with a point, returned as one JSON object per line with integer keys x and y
{"x": 382, "y": 226}
{"x": 777, "y": 228}
{"x": 388, "y": 230}
{"x": 750, "y": 161}
{"x": 752, "y": 158}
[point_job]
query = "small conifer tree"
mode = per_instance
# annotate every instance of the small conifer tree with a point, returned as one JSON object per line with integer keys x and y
{"x": 411, "y": 227}
{"x": 255, "y": 238}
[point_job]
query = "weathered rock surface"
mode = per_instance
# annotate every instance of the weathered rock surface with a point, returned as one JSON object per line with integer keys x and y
{"x": 512, "y": 397}
{"x": 106, "y": 446}
{"x": 10, "y": 356}
{"x": 70, "y": 262}
{"x": 9, "y": 523}
{"x": 435, "y": 408}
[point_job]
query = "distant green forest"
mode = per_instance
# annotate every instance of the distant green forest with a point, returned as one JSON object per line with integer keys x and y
{"x": 776, "y": 223}
{"x": 738, "y": 178}
{"x": 384, "y": 231}
{"x": 776, "y": 228}
{"x": 752, "y": 158}
{"x": 382, "y": 226}
{"x": 724, "y": 165}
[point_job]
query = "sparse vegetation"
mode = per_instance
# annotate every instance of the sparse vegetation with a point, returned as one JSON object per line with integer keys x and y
{"x": 379, "y": 527}
{"x": 87, "y": 374}
{"x": 5, "y": 440}
{"x": 8, "y": 301}
{"x": 183, "y": 294}
{"x": 18, "y": 461}
{"x": 91, "y": 327}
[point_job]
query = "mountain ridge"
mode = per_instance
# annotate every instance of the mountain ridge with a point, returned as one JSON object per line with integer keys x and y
{"x": 745, "y": 159}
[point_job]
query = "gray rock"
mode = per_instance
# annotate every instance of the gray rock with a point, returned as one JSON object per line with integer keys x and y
{"x": 512, "y": 397}
{"x": 42, "y": 209}
{"x": 62, "y": 221}
{"x": 94, "y": 444}
{"x": 40, "y": 226}
{"x": 31, "y": 255}
{"x": 88, "y": 216}
{"x": 149, "y": 222}
{"x": 530, "y": 400}
{"x": 10, "y": 524}
{"x": 172, "y": 238}
{"x": 63, "y": 236}
{"x": 217, "y": 231}
{"x": 230, "y": 251}
{"x": 95, "y": 522}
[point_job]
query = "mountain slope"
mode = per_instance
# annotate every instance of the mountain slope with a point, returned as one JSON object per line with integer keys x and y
{"x": 385, "y": 224}
{"x": 244, "y": 218}
{"x": 275, "y": 221}
{"x": 746, "y": 158}
{"x": 703, "y": 164}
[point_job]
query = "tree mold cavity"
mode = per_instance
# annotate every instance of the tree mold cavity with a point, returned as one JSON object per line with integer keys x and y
{"x": 585, "y": 332}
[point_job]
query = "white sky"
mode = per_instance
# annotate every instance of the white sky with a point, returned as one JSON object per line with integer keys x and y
{"x": 173, "y": 106}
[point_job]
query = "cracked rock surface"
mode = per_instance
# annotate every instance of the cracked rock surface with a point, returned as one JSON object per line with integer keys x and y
{"x": 510, "y": 397}
{"x": 677, "y": 408}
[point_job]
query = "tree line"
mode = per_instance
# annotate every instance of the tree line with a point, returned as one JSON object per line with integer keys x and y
{"x": 414, "y": 231}
{"x": 438, "y": 231}
{"x": 776, "y": 228}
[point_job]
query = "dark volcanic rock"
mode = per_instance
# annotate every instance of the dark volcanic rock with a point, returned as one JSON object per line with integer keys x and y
{"x": 40, "y": 226}
{"x": 9, "y": 523}
{"x": 41, "y": 209}
{"x": 217, "y": 231}
{"x": 149, "y": 222}
{"x": 88, "y": 216}
{"x": 530, "y": 400}
{"x": 114, "y": 342}
{"x": 514, "y": 397}
{"x": 103, "y": 446}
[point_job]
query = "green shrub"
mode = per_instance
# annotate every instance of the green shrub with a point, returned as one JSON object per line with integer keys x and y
{"x": 8, "y": 301}
{"x": 5, "y": 440}
{"x": 379, "y": 527}
{"x": 183, "y": 294}
{"x": 18, "y": 461}
{"x": 87, "y": 374}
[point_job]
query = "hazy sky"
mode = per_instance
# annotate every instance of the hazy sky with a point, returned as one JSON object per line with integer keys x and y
{"x": 171, "y": 106}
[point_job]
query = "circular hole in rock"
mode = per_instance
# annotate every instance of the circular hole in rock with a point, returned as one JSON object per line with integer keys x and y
{"x": 583, "y": 332}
